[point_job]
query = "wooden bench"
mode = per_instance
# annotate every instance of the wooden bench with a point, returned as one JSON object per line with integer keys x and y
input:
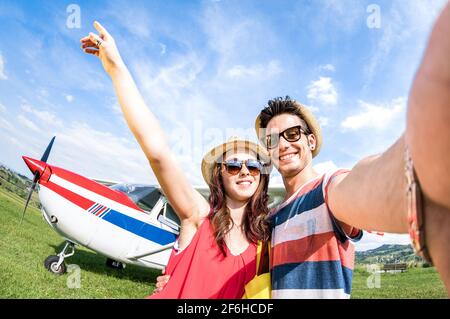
{"x": 395, "y": 267}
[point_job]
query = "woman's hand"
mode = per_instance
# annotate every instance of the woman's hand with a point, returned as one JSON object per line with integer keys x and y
{"x": 103, "y": 46}
{"x": 161, "y": 282}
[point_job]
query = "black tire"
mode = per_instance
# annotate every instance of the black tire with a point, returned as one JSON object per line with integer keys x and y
{"x": 111, "y": 263}
{"x": 50, "y": 264}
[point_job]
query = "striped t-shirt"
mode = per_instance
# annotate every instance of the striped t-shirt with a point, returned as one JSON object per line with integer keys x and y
{"x": 311, "y": 255}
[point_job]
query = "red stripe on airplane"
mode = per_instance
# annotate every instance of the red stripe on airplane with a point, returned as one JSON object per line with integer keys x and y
{"x": 95, "y": 187}
{"x": 69, "y": 195}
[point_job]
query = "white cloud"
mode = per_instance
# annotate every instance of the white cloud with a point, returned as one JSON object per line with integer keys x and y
{"x": 44, "y": 116}
{"x": 28, "y": 123}
{"x": 116, "y": 108}
{"x": 180, "y": 74}
{"x": 2, "y": 108}
{"x": 14, "y": 141}
{"x": 323, "y": 121}
{"x": 163, "y": 49}
{"x": 325, "y": 167}
{"x": 84, "y": 150}
{"x": 133, "y": 18}
{"x": 99, "y": 154}
{"x": 375, "y": 116}
{"x": 322, "y": 91}
{"x": 69, "y": 98}
{"x": 256, "y": 72}
{"x": 399, "y": 24}
{"x": 182, "y": 106}
{"x": 328, "y": 19}
{"x": 372, "y": 240}
{"x": 239, "y": 47}
{"x": 340, "y": 14}
{"x": 6, "y": 125}
{"x": 327, "y": 67}
{"x": 2, "y": 68}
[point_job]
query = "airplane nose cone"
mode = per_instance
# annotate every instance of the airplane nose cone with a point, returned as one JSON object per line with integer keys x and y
{"x": 34, "y": 165}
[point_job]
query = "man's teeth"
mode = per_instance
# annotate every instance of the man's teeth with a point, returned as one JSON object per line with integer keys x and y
{"x": 285, "y": 157}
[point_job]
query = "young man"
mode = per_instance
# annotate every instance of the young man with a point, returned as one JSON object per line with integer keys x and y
{"x": 311, "y": 253}
{"x": 312, "y": 257}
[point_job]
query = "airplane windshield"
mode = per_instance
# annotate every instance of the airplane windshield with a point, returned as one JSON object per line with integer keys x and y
{"x": 145, "y": 197}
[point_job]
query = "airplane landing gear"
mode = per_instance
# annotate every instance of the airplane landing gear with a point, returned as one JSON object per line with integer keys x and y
{"x": 114, "y": 264}
{"x": 55, "y": 264}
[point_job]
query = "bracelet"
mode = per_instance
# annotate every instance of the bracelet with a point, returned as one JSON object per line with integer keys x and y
{"x": 416, "y": 217}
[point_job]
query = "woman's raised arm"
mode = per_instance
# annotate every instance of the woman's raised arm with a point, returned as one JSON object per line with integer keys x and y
{"x": 188, "y": 203}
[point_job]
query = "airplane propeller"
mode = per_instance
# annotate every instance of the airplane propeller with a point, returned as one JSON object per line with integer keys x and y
{"x": 37, "y": 174}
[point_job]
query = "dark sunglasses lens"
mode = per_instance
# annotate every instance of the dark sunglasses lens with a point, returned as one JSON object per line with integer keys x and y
{"x": 293, "y": 134}
{"x": 254, "y": 167}
{"x": 233, "y": 168}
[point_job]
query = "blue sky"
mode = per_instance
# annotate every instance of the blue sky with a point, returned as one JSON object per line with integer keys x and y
{"x": 206, "y": 68}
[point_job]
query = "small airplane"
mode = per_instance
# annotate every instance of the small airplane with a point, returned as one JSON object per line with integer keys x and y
{"x": 127, "y": 223}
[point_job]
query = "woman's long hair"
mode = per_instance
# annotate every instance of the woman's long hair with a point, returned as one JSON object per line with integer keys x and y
{"x": 255, "y": 225}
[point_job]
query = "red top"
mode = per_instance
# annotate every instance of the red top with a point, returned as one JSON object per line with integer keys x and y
{"x": 201, "y": 271}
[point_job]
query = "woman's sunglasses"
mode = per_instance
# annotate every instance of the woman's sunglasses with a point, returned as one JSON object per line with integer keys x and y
{"x": 234, "y": 167}
{"x": 292, "y": 134}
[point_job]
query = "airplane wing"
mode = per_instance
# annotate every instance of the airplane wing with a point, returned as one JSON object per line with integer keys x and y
{"x": 143, "y": 254}
{"x": 105, "y": 181}
{"x": 204, "y": 190}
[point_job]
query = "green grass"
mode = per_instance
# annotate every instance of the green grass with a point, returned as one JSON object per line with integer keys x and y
{"x": 414, "y": 283}
{"x": 22, "y": 274}
{"x": 23, "y": 250}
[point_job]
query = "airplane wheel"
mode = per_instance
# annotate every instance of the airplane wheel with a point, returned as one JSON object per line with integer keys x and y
{"x": 114, "y": 264}
{"x": 51, "y": 262}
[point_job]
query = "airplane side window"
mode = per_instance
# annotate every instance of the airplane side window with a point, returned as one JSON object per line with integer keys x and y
{"x": 171, "y": 215}
{"x": 148, "y": 202}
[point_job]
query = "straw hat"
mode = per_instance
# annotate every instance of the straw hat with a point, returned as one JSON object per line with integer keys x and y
{"x": 310, "y": 120}
{"x": 216, "y": 154}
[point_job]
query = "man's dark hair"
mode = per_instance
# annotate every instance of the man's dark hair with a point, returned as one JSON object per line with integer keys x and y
{"x": 279, "y": 106}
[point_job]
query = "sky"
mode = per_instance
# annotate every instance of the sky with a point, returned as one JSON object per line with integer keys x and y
{"x": 206, "y": 69}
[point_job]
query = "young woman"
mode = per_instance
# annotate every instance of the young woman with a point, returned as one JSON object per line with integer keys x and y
{"x": 214, "y": 256}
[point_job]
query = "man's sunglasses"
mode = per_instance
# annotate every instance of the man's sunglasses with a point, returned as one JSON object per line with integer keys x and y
{"x": 234, "y": 167}
{"x": 292, "y": 134}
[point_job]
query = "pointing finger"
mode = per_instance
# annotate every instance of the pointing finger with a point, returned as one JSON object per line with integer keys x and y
{"x": 101, "y": 30}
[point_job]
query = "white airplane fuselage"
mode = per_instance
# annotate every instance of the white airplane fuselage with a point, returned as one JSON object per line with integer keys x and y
{"x": 103, "y": 219}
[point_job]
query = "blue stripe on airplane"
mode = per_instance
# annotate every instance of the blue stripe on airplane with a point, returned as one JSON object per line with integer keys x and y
{"x": 139, "y": 228}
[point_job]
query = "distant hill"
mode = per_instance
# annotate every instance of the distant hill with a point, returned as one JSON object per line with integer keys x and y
{"x": 387, "y": 254}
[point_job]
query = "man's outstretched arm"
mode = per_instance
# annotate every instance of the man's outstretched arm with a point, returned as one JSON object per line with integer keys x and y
{"x": 372, "y": 195}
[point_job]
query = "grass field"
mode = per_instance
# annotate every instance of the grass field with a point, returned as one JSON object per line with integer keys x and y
{"x": 414, "y": 283}
{"x": 23, "y": 250}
